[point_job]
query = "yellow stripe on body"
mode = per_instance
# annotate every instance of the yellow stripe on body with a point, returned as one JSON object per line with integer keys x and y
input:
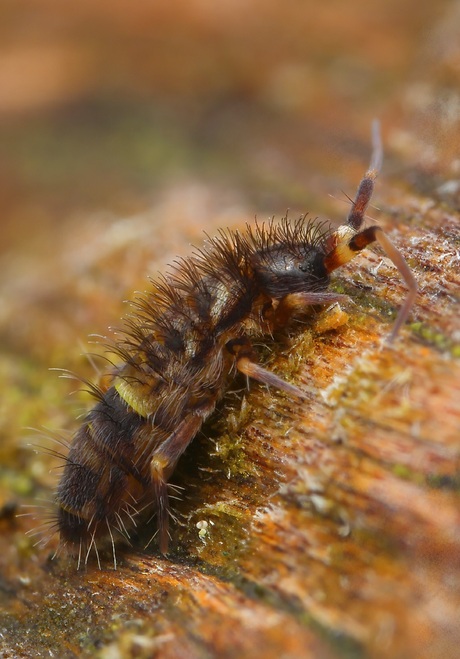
{"x": 136, "y": 396}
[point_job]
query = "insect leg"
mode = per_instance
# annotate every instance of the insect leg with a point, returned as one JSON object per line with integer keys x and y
{"x": 377, "y": 234}
{"x": 345, "y": 250}
{"x": 163, "y": 461}
{"x": 297, "y": 302}
{"x": 246, "y": 364}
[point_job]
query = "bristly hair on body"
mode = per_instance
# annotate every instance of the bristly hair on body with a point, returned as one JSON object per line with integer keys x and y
{"x": 177, "y": 352}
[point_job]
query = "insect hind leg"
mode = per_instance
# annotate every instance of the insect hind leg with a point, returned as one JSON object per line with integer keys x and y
{"x": 162, "y": 464}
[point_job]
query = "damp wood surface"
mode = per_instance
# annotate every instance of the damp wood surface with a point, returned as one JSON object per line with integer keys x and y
{"x": 328, "y": 528}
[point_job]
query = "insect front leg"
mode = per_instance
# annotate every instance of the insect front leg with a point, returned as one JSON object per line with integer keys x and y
{"x": 350, "y": 243}
{"x": 296, "y": 303}
{"x": 163, "y": 461}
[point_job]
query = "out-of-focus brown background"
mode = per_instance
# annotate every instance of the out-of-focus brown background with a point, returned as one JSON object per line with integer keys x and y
{"x": 126, "y": 130}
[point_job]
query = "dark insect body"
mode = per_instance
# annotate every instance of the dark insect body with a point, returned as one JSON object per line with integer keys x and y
{"x": 178, "y": 353}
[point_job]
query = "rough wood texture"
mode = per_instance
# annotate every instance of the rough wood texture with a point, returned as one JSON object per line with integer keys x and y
{"x": 327, "y": 529}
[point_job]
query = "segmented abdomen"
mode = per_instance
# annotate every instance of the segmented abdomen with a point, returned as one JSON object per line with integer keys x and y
{"x": 174, "y": 368}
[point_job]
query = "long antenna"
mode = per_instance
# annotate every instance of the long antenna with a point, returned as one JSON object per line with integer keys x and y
{"x": 377, "y": 148}
{"x": 366, "y": 187}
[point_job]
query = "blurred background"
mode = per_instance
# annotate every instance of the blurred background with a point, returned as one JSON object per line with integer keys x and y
{"x": 104, "y": 105}
{"x": 129, "y": 128}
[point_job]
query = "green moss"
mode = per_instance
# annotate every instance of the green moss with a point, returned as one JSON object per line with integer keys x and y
{"x": 216, "y": 534}
{"x": 374, "y": 543}
{"x": 402, "y": 471}
{"x": 444, "y": 481}
{"x": 228, "y": 431}
{"x": 345, "y": 646}
{"x": 437, "y": 481}
{"x": 20, "y": 484}
{"x": 436, "y": 339}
